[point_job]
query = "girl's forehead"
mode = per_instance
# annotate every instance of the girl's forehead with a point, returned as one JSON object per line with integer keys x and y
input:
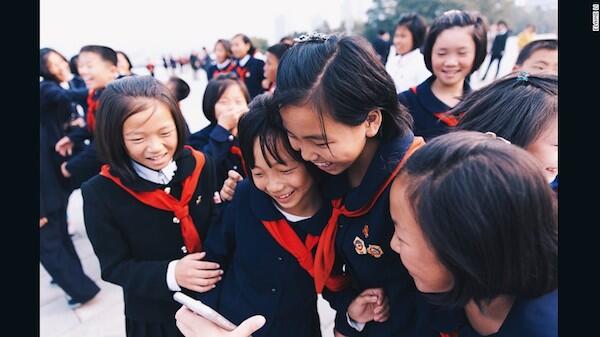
{"x": 455, "y": 36}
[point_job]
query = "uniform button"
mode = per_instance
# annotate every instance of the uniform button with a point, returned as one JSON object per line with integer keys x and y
{"x": 341, "y": 225}
{"x": 280, "y": 258}
{"x": 230, "y": 138}
{"x": 175, "y": 219}
{"x": 273, "y": 290}
{"x": 184, "y": 249}
{"x": 167, "y": 190}
{"x": 235, "y": 167}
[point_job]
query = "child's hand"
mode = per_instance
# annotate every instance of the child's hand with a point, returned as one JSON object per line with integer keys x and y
{"x": 228, "y": 189}
{"x": 192, "y": 325}
{"x": 193, "y": 274}
{"x": 64, "y": 146}
{"x": 371, "y": 304}
{"x": 64, "y": 171}
{"x": 43, "y": 221}
{"x": 229, "y": 118}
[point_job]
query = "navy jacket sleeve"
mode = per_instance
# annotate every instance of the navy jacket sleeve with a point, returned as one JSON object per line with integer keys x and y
{"x": 54, "y": 93}
{"x": 79, "y": 134}
{"x": 339, "y": 301}
{"x": 143, "y": 278}
{"x": 84, "y": 165}
{"x": 213, "y": 142}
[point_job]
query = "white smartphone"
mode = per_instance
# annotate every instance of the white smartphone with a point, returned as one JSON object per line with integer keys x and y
{"x": 204, "y": 311}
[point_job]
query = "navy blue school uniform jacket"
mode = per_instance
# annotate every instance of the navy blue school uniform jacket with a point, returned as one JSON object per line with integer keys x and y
{"x": 427, "y": 110}
{"x": 135, "y": 242}
{"x": 260, "y": 276}
{"x": 85, "y": 164}
{"x": 217, "y": 142}
{"x": 363, "y": 243}
{"x": 536, "y": 317}
{"x": 55, "y": 113}
{"x": 253, "y": 74}
{"x": 214, "y": 71}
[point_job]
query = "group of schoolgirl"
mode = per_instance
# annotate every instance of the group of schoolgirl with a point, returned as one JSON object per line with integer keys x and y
{"x": 337, "y": 181}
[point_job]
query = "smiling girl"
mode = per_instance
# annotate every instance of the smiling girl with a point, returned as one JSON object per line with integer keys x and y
{"x": 148, "y": 211}
{"x": 454, "y": 48}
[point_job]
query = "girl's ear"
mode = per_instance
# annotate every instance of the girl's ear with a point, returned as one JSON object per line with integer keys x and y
{"x": 373, "y": 122}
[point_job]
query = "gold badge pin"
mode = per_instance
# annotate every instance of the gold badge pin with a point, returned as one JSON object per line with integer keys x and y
{"x": 199, "y": 199}
{"x": 375, "y": 251}
{"x": 359, "y": 246}
{"x": 365, "y": 231}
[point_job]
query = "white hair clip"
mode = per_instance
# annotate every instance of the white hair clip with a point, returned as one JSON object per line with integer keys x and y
{"x": 314, "y": 36}
{"x": 493, "y": 135}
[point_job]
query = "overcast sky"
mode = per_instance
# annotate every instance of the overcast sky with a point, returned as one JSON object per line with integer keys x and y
{"x": 144, "y": 28}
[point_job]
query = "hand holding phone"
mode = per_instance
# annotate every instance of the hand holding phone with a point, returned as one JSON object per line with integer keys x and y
{"x": 203, "y": 310}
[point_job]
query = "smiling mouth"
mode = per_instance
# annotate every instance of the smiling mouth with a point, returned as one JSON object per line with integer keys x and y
{"x": 156, "y": 158}
{"x": 323, "y": 165}
{"x": 284, "y": 197}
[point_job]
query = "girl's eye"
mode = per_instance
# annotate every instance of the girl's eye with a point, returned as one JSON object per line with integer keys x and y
{"x": 165, "y": 134}
{"x": 322, "y": 146}
{"x": 136, "y": 140}
{"x": 287, "y": 171}
{"x": 257, "y": 175}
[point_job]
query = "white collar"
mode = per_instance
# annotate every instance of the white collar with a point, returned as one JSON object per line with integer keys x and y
{"x": 221, "y": 66}
{"x": 242, "y": 62}
{"x": 162, "y": 176}
{"x": 290, "y": 217}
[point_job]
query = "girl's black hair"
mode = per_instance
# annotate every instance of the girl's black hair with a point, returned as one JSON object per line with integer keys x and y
{"x": 417, "y": 27}
{"x": 44, "y": 71}
{"x": 247, "y": 40}
{"x": 106, "y": 53}
{"x": 489, "y": 214}
{"x": 458, "y": 18}
{"x": 533, "y": 46}
{"x": 182, "y": 89}
{"x": 215, "y": 89}
{"x": 263, "y": 122}
{"x": 226, "y": 45}
{"x": 126, "y": 58}
{"x": 73, "y": 65}
{"x": 344, "y": 78}
{"x": 512, "y": 107}
{"x": 278, "y": 49}
{"x": 121, "y": 99}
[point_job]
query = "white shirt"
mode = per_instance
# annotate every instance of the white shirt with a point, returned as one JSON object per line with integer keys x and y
{"x": 223, "y": 65}
{"x": 242, "y": 62}
{"x": 407, "y": 70}
{"x": 162, "y": 176}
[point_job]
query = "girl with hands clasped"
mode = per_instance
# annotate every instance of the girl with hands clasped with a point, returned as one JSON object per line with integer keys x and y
{"x": 148, "y": 211}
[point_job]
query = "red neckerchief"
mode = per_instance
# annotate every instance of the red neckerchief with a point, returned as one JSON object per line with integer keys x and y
{"x": 226, "y": 70}
{"x": 320, "y": 266}
{"x": 449, "y": 120}
{"x": 241, "y": 71}
{"x": 91, "y": 111}
{"x": 162, "y": 200}
{"x": 238, "y": 152}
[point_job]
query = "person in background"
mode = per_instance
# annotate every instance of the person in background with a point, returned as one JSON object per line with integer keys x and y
{"x": 274, "y": 54}
{"x": 498, "y": 47}
{"x": 223, "y": 62}
{"x": 539, "y": 56}
{"x": 249, "y": 68}
{"x": 382, "y": 45}
{"x": 526, "y": 36}
{"x": 454, "y": 49}
{"x": 405, "y": 62}
{"x": 124, "y": 64}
